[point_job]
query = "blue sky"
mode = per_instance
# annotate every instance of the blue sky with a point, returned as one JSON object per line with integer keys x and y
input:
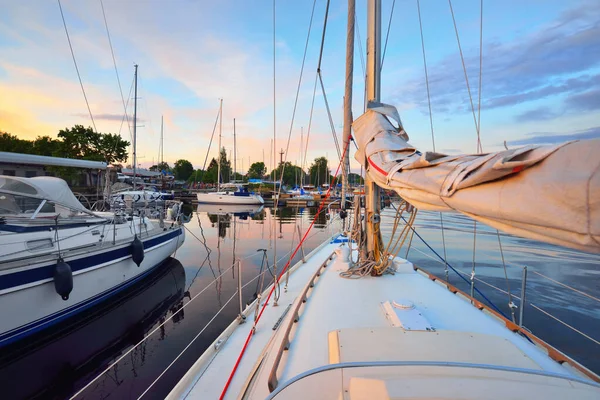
{"x": 540, "y": 80}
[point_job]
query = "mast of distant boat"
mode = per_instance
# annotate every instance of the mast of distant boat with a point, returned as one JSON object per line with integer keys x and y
{"x": 134, "y": 124}
{"x": 220, "y": 132}
{"x": 234, "y": 154}
{"x": 372, "y": 196}
{"x": 161, "y": 154}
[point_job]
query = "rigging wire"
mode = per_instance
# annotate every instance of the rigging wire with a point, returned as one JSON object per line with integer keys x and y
{"x": 287, "y": 147}
{"x": 76, "y": 67}
{"x": 387, "y": 35}
{"x": 331, "y": 123}
{"x": 466, "y": 78}
{"x": 209, "y": 145}
{"x": 312, "y": 107}
{"x": 511, "y": 305}
{"x": 431, "y": 123}
{"x": 126, "y": 107}
{"x": 480, "y": 75}
{"x": 112, "y": 53}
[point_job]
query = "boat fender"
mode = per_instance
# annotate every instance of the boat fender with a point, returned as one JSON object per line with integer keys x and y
{"x": 63, "y": 279}
{"x": 137, "y": 251}
{"x": 343, "y": 214}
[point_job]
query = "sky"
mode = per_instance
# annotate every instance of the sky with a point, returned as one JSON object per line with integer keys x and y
{"x": 540, "y": 76}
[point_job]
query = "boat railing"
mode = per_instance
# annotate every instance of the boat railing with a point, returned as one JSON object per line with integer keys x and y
{"x": 209, "y": 285}
{"x": 285, "y": 343}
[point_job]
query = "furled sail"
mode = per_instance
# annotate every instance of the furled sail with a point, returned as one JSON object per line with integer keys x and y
{"x": 547, "y": 193}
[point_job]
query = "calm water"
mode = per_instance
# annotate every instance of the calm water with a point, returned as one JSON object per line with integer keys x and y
{"x": 59, "y": 363}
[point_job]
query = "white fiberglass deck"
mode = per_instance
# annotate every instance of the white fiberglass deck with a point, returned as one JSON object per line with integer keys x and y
{"x": 343, "y": 321}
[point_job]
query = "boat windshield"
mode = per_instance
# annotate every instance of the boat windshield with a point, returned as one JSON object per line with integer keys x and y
{"x": 15, "y": 205}
{"x": 45, "y": 195}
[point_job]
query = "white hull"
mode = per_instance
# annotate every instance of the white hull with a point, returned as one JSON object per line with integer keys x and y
{"x": 109, "y": 272}
{"x": 224, "y": 198}
{"x": 405, "y": 336}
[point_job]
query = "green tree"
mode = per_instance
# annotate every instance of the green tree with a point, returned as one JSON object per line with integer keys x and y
{"x": 112, "y": 148}
{"x": 210, "y": 175}
{"x": 355, "y": 179}
{"x": 183, "y": 169}
{"x": 13, "y": 144}
{"x": 225, "y": 166}
{"x": 257, "y": 170}
{"x": 292, "y": 174}
{"x": 45, "y": 146}
{"x": 83, "y": 143}
{"x": 319, "y": 171}
{"x": 162, "y": 166}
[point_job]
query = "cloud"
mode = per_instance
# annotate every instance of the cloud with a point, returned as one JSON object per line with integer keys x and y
{"x": 451, "y": 151}
{"x": 106, "y": 117}
{"x": 587, "y": 101}
{"x": 537, "y": 114}
{"x": 552, "y": 138}
{"x": 554, "y": 60}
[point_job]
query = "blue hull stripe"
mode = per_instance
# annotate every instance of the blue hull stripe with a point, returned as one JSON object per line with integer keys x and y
{"x": 47, "y": 272}
{"x": 43, "y": 323}
{"x": 43, "y": 228}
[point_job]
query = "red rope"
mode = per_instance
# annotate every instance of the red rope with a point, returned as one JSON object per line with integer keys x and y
{"x": 237, "y": 363}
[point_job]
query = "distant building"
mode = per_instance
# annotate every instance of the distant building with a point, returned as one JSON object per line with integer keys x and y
{"x": 30, "y": 166}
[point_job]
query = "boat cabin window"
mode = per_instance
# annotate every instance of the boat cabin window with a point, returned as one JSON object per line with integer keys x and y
{"x": 15, "y": 204}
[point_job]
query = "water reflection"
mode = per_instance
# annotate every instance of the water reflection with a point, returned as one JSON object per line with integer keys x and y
{"x": 54, "y": 360}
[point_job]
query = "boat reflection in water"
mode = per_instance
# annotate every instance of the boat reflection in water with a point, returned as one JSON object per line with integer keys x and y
{"x": 239, "y": 210}
{"x": 53, "y": 362}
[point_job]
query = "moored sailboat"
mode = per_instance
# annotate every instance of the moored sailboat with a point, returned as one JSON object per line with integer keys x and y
{"x": 357, "y": 321}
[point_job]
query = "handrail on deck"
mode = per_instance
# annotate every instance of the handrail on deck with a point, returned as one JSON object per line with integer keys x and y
{"x": 285, "y": 343}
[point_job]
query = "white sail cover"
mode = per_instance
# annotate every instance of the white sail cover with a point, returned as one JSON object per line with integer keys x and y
{"x": 547, "y": 193}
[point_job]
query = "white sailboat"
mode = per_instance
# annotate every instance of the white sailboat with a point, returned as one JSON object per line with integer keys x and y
{"x": 358, "y": 322}
{"x": 232, "y": 193}
{"x": 58, "y": 258}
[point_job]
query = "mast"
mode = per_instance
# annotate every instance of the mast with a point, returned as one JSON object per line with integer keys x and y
{"x": 134, "y": 124}
{"x": 348, "y": 99}
{"x": 234, "y": 154}
{"x": 301, "y": 162}
{"x": 220, "y": 131}
{"x": 160, "y": 158}
{"x": 372, "y": 197}
{"x": 162, "y": 142}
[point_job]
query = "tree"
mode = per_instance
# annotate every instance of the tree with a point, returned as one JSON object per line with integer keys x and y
{"x": 355, "y": 179}
{"x": 319, "y": 171}
{"x": 112, "y": 148}
{"x": 162, "y": 166}
{"x": 257, "y": 170}
{"x": 210, "y": 176}
{"x": 183, "y": 169}
{"x": 45, "y": 146}
{"x": 13, "y": 144}
{"x": 292, "y": 174}
{"x": 84, "y": 143}
{"x": 225, "y": 166}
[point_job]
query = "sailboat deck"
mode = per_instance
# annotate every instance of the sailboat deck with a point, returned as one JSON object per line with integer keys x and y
{"x": 344, "y": 321}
